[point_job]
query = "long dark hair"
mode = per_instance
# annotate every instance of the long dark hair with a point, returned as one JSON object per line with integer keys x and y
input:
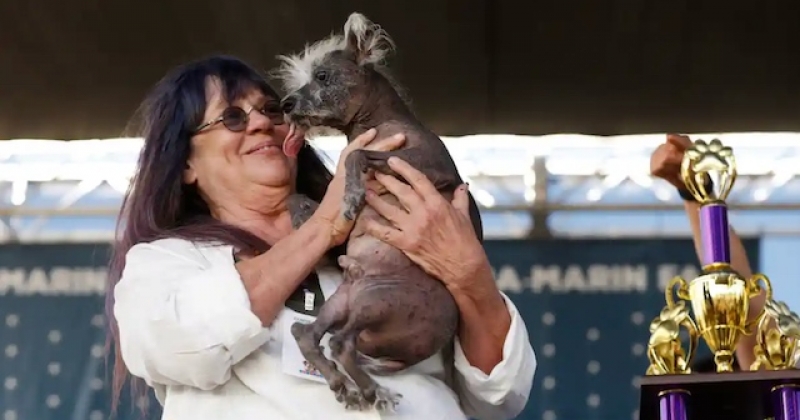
{"x": 158, "y": 204}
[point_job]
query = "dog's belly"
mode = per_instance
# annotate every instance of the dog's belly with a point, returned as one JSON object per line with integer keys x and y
{"x": 375, "y": 256}
{"x": 418, "y": 315}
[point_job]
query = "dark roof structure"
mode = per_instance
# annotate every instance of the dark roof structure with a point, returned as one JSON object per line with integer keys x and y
{"x": 75, "y": 70}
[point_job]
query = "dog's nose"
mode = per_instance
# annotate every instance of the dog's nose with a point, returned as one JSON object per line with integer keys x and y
{"x": 288, "y": 104}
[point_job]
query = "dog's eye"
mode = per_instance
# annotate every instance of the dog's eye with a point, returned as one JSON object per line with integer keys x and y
{"x": 321, "y": 75}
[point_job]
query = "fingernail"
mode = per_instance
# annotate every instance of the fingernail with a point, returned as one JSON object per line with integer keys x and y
{"x": 399, "y": 136}
{"x": 392, "y": 160}
{"x": 370, "y": 193}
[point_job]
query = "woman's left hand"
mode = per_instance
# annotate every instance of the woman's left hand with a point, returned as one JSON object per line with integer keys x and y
{"x": 434, "y": 233}
{"x": 439, "y": 237}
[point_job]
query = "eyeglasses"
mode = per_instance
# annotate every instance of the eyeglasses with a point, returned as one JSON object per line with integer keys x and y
{"x": 235, "y": 118}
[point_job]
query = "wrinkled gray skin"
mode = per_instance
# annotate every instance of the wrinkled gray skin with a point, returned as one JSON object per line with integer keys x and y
{"x": 388, "y": 314}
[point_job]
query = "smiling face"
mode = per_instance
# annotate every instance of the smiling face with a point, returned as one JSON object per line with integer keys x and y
{"x": 226, "y": 161}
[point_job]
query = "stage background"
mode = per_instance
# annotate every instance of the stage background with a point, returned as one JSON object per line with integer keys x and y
{"x": 587, "y": 305}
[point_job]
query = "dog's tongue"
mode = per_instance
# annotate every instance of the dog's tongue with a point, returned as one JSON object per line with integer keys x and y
{"x": 293, "y": 144}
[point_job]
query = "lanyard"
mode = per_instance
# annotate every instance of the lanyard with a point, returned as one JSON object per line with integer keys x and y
{"x": 308, "y": 298}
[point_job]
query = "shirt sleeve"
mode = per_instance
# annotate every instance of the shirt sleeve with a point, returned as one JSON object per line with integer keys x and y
{"x": 182, "y": 322}
{"x": 504, "y": 392}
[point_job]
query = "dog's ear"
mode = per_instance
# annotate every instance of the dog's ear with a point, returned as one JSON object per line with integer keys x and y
{"x": 368, "y": 43}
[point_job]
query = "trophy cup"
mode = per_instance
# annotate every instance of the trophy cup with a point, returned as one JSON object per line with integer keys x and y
{"x": 720, "y": 303}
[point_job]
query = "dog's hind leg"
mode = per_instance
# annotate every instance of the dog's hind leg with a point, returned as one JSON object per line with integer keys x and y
{"x": 332, "y": 314}
{"x": 380, "y": 366}
{"x": 301, "y": 208}
{"x": 343, "y": 349}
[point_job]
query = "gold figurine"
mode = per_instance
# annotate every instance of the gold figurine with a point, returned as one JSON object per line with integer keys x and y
{"x": 777, "y": 338}
{"x": 664, "y": 350}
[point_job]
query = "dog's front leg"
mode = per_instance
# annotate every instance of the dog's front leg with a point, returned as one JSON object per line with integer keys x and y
{"x": 359, "y": 162}
{"x": 355, "y": 185}
{"x": 442, "y": 178}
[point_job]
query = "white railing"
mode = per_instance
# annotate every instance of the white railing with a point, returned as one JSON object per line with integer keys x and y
{"x": 85, "y": 179}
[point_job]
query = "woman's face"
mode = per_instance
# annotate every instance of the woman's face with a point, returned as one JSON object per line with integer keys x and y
{"x": 225, "y": 163}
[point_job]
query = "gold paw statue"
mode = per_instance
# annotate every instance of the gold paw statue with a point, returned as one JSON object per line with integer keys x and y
{"x": 712, "y": 160}
{"x": 777, "y": 338}
{"x": 666, "y": 354}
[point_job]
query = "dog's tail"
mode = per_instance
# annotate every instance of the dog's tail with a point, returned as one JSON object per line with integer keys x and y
{"x": 379, "y": 366}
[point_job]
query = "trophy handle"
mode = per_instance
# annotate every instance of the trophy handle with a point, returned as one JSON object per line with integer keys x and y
{"x": 694, "y": 337}
{"x": 756, "y": 284}
{"x": 682, "y": 292}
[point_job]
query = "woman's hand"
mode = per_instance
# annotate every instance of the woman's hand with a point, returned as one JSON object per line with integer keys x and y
{"x": 434, "y": 233}
{"x": 330, "y": 209}
{"x": 439, "y": 237}
{"x": 665, "y": 162}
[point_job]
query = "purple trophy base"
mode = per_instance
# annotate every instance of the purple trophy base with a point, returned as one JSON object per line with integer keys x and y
{"x": 715, "y": 234}
{"x": 672, "y": 405}
{"x": 786, "y": 402}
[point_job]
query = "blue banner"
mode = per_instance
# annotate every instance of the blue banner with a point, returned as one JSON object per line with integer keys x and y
{"x": 587, "y": 305}
{"x": 52, "y": 334}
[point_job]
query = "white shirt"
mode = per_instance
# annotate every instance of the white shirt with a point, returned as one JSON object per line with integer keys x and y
{"x": 186, "y": 328}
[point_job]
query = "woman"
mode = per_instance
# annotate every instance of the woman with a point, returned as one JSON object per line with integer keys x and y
{"x": 208, "y": 264}
{"x": 665, "y": 163}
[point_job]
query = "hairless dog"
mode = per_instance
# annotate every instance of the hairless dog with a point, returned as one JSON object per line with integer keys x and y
{"x": 388, "y": 314}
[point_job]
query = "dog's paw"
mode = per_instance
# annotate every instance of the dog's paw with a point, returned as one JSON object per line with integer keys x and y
{"x": 354, "y": 200}
{"x": 350, "y": 395}
{"x": 351, "y": 267}
{"x": 300, "y": 209}
{"x": 350, "y": 212}
{"x": 342, "y": 386}
{"x": 354, "y": 400}
{"x": 386, "y": 400}
{"x": 298, "y": 330}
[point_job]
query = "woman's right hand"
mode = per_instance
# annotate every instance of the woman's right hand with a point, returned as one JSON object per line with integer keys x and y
{"x": 665, "y": 162}
{"x": 330, "y": 209}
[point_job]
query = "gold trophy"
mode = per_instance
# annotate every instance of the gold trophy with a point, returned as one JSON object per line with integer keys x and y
{"x": 720, "y": 303}
{"x": 720, "y": 297}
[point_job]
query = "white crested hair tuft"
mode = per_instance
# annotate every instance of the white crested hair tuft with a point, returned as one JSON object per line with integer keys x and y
{"x": 296, "y": 70}
{"x": 367, "y": 40}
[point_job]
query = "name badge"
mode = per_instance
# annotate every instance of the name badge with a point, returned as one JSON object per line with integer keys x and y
{"x": 292, "y": 359}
